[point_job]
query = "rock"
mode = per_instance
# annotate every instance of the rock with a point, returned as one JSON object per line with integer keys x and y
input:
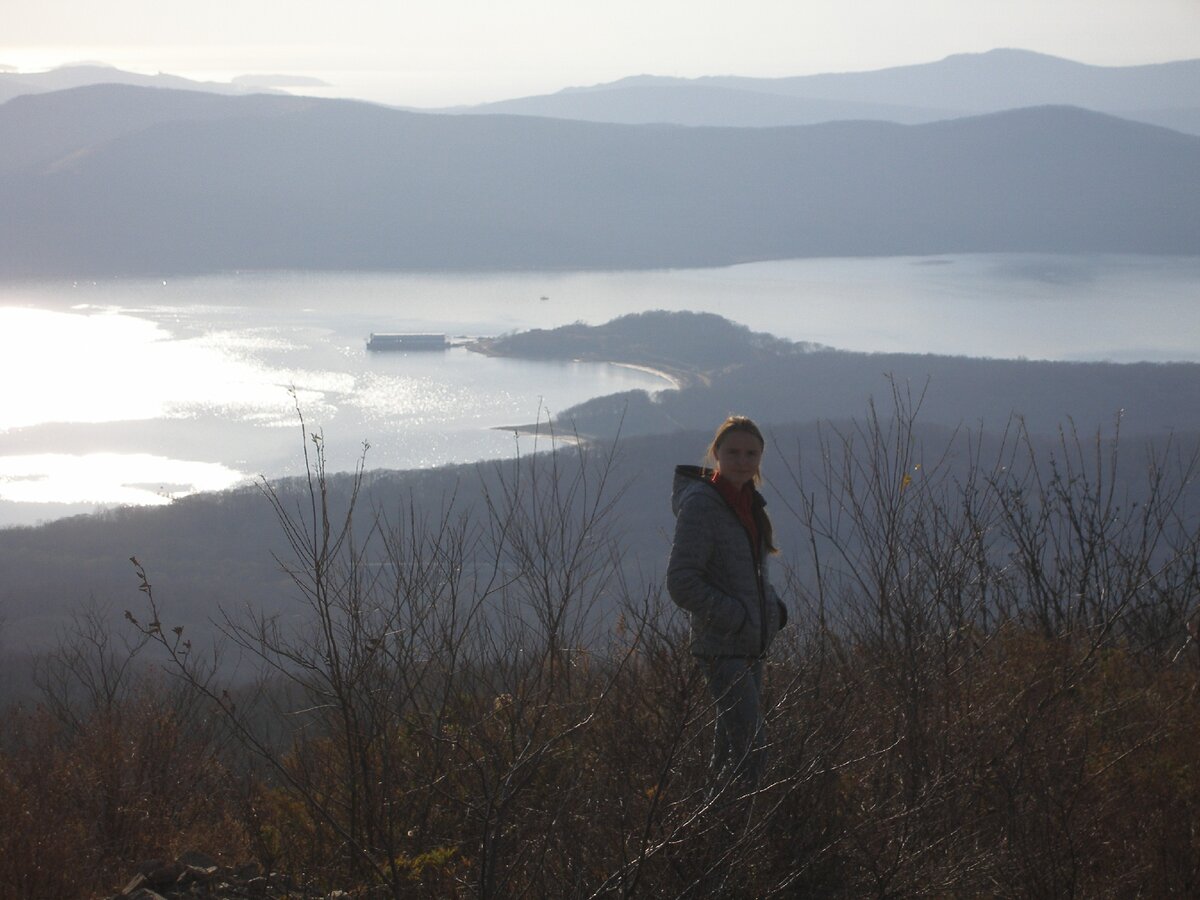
{"x": 138, "y": 881}
{"x": 197, "y": 875}
{"x": 198, "y": 860}
{"x": 248, "y": 871}
{"x": 192, "y": 874}
{"x": 161, "y": 875}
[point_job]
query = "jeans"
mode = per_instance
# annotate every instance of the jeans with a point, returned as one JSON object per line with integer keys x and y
{"x": 739, "y": 748}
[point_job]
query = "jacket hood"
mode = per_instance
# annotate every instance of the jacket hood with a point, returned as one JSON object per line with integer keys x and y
{"x": 689, "y": 479}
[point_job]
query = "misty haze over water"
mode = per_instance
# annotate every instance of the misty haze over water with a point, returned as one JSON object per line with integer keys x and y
{"x": 1120, "y": 308}
{"x": 188, "y": 377}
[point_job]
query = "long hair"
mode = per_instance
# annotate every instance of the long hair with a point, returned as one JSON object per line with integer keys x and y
{"x": 746, "y": 425}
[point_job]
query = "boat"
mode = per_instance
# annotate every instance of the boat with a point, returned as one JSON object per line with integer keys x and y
{"x": 395, "y": 340}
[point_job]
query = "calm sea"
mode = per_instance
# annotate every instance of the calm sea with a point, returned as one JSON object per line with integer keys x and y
{"x": 137, "y": 391}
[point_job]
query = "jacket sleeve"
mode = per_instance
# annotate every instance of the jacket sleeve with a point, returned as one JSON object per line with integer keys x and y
{"x": 688, "y": 582}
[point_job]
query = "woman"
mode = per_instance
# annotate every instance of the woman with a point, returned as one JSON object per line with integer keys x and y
{"x": 718, "y": 573}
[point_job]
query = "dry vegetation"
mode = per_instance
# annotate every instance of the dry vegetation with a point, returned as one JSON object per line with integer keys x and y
{"x": 989, "y": 689}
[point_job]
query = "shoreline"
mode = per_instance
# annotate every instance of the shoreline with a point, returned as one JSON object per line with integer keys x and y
{"x": 676, "y": 381}
{"x": 544, "y": 430}
{"x": 676, "y": 378}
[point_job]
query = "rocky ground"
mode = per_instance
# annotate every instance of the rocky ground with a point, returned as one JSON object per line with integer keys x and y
{"x": 197, "y": 875}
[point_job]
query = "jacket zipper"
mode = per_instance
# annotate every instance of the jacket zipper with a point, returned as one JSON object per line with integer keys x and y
{"x": 758, "y": 583}
{"x": 756, "y": 558}
{"x": 762, "y": 598}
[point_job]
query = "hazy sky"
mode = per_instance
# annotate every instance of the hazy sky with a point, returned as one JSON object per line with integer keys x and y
{"x": 435, "y": 52}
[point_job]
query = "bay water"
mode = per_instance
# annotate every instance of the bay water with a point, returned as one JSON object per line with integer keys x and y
{"x": 141, "y": 390}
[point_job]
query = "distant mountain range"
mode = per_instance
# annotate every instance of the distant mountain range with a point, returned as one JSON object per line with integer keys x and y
{"x": 14, "y": 84}
{"x": 114, "y": 179}
{"x": 1165, "y": 94}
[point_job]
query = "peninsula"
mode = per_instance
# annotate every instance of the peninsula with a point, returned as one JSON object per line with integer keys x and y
{"x": 719, "y": 367}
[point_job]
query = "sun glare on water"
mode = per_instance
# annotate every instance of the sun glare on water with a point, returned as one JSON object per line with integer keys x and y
{"x": 108, "y": 478}
{"x": 106, "y": 366}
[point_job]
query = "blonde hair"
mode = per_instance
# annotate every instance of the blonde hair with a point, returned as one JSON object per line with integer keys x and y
{"x": 729, "y": 426}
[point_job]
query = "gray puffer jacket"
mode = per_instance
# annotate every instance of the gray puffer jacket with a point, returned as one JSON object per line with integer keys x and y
{"x": 713, "y": 573}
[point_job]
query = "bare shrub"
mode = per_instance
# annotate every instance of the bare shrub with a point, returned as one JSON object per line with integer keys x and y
{"x": 988, "y": 688}
{"x": 440, "y": 679}
{"x": 113, "y": 766}
{"x": 976, "y": 606}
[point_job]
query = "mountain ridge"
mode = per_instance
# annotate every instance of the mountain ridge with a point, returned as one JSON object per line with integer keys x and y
{"x": 14, "y": 84}
{"x": 1165, "y": 93}
{"x": 958, "y": 85}
{"x": 211, "y": 183}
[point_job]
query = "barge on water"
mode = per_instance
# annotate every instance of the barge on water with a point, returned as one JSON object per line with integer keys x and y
{"x": 394, "y": 340}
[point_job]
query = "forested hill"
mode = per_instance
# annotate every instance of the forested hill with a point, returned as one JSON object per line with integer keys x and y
{"x": 725, "y": 367}
{"x": 124, "y": 180}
